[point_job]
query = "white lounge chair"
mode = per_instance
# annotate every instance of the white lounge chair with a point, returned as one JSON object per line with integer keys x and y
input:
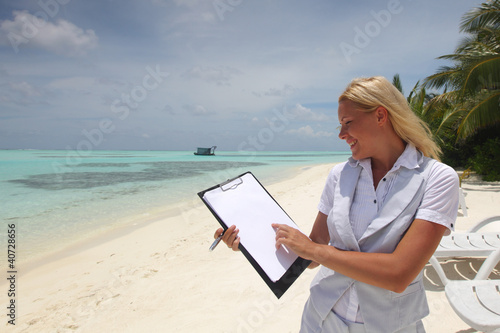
{"x": 471, "y": 243}
{"x": 461, "y": 196}
{"x": 477, "y": 301}
{"x": 461, "y": 202}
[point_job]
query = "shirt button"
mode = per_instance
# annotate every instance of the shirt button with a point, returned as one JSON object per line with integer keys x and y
{"x": 374, "y": 201}
{"x": 384, "y": 179}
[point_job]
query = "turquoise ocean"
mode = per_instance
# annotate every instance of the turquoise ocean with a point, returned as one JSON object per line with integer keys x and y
{"x": 57, "y": 197}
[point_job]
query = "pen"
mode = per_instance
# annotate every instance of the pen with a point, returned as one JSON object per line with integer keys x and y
{"x": 216, "y": 242}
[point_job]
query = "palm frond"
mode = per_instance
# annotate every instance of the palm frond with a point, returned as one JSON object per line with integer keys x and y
{"x": 413, "y": 91}
{"x": 396, "y": 81}
{"x": 437, "y": 107}
{"x": 450, "y": 119}
{"x": 478, "y": 45}
{"x": 488, "y": 14}
{"x": 481, "y": 75}
{"x": 443, "y": 78}
{"x": 483, "y": 113}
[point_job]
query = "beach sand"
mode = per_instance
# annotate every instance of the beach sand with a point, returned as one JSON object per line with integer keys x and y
{"x": 159, "y": 276}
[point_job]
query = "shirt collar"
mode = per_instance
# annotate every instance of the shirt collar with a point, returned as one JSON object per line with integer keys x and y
{"x": 411, "y": 158}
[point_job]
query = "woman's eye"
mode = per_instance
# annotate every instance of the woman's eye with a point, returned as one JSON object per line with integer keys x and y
{"x": 347, "y": 123}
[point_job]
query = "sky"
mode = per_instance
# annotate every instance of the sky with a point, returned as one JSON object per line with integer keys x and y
{"x": 259, "y": 75}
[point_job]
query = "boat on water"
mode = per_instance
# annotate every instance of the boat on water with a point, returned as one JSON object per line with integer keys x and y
{"x": 205, "y": 151}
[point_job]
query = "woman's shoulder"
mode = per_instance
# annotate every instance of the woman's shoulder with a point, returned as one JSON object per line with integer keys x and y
{"x": 441, "y": 172}
{"x": 337, "y": 168}
{"x": 335, "y": 171}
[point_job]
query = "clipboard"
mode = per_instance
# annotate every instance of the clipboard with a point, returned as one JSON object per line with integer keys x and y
{"x": 244, "y": 202}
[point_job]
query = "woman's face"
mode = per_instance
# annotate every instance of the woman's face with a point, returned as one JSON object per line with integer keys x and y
{"x": 359, "y": 129}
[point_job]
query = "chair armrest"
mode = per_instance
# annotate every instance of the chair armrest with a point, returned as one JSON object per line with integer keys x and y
{"x": 488, "y": 265}
{"x": 439, "y": 270}
{"x": 484, "y": 222}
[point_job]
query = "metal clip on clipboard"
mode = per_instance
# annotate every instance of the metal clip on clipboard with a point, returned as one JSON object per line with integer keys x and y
{"x": 229, "y": 181}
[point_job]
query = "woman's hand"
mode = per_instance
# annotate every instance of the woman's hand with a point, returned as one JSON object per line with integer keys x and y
{"x": 230, "y": 237}
{"x": 293, "y": 239}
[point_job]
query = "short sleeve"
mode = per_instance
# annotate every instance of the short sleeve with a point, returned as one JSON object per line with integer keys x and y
{"x": 440, "y": 201}
{"x": 326, "y": 201}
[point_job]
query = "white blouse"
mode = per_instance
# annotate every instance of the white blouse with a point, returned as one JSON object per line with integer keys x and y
{"x": 436, "y": 207}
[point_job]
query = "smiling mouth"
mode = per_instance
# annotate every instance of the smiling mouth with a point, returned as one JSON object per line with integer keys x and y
{"x": 352, "y": 143}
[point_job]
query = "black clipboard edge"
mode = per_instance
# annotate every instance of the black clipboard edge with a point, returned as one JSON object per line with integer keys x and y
{"x": 299, "y": 265}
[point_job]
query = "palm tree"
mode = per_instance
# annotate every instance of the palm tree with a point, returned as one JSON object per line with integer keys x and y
{"x": 471, "y": 85}
{"x": 417, "y": 97}
{"x": 418, "y": 100}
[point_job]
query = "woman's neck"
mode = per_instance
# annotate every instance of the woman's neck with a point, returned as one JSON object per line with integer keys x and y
{"x": 383, "y": 163}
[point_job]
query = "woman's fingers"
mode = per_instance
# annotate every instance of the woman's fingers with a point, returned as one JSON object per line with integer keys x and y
{"x": 230, "y": 237}
{"x": 281, "y": 231}
{"x": 293, "y": 239}
{"x": 236, "y": 243}
{"x": 218, "y": 232}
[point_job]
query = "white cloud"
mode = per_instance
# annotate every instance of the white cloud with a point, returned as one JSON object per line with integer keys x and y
{"x": 302, "y": 113}
{"x": 22, "y": 93}
{"x": 25, "y": 89}
{"x": 220, "y": 75}
{"x": 63, "y": 37}
{"x": 198, "y": 110}
{"x": 190, "y": 12}
{"x": 190, "y": 3}
{"x": 273, "y": 92}
{"x": 307, "y": 131}
{"x": 75, "y": 83}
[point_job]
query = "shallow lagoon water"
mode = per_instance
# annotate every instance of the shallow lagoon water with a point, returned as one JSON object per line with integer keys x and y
{"x": 55, "y": 198}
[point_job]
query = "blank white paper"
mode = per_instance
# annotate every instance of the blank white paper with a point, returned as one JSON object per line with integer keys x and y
{"x": 252, "y": 210}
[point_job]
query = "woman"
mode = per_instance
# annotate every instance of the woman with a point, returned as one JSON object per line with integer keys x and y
{"x": 381, "y": 216}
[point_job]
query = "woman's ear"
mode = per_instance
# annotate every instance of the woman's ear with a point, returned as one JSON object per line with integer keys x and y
{"x": 382, "y": 115}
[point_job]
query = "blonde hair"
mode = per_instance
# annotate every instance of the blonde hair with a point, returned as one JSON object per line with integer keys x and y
{"x": 370, "y": 93}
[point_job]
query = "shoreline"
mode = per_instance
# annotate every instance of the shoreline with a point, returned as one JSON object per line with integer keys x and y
{"x": 180, "y": 208}
{"x": 77, "y": 245}
{"x": 155, "y": 275}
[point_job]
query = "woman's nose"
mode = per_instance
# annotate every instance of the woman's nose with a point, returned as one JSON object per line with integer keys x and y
{"x": 342, "y": 133}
